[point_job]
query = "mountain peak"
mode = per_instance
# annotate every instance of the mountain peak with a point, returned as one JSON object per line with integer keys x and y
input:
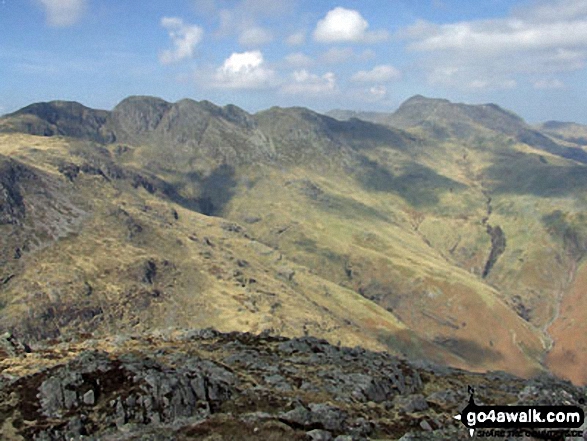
{"x": 421, "y": 99}
{"x": 52, "y": 111}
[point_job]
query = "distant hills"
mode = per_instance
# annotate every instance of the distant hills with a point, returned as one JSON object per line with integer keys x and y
{"x": 442, "y": 119}
{"x": 447, "y": 232}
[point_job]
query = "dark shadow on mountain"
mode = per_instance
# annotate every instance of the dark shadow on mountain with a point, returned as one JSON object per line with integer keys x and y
{"x": 217, "y": 189}
{"x": 469, "y": 350}
{"x": 366, "y": 135}
{"x": 418, "y": 184}
{"x": 523, "y": 173}
{"x": 415, "y": 348}
{"x": 537, "y": 139}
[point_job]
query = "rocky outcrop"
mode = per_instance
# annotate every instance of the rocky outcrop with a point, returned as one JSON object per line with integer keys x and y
{"x": 498, "y": 245}
{"x": 12, "y": 208}
{"x": 196, "y": 384}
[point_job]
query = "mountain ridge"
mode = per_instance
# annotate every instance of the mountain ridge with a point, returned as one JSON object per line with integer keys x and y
{"x": 414, "y": 239}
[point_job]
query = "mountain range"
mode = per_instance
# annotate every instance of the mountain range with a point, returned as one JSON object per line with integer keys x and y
{"x": 445, "y": 232}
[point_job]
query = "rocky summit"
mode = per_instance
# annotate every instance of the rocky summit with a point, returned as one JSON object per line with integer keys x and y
{"x": 207, "y": 385}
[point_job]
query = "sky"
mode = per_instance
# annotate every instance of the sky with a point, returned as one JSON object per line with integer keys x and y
{"x": 526, "y": 55}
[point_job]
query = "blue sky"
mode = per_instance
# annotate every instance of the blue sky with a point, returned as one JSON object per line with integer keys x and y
{"x": 529, "y": 56}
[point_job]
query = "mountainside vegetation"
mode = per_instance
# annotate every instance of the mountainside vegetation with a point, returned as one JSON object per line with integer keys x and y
{"x": 447, "y": 232}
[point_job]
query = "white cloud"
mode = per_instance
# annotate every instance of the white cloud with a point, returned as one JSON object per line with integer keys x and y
{"x": 244, "y": 70}
{"x": 247, "y": 14}
{"x": 373, "y": 94}
{"x": 377, "y": 93}
{"x": 303, "y": 82}
{"x": 540, "y": 40}
{"x": 62, "y": 13}
{"x": 379, "y": 74}
{"x": 346, "y": 25}
{"x": 296, "y": 39}
{"x": 509, "y": 35}
{"x": 548, "y": 84}
{"x": 299, "y": 59}
{"x": 254, "y": 37}
{"x": 184, "y": 37}
{"x": 470, "y": 78}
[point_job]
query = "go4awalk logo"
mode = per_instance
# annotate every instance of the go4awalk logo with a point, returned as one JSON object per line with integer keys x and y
{"x": 519, "y": 417}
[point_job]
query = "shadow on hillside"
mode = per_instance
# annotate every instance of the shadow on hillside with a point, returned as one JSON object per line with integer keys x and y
{"x": 366, "y": 135}
{"x": 414, "y": 348}
{"x": 418, "y": 184}
{"x": 469, "y": 350}
{"x": 522, "y": 173}
{"x": 216, "y": 190}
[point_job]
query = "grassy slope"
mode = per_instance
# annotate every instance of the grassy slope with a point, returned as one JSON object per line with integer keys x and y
{"x": 399, "y": 244}
{"x": 208, "y": 273}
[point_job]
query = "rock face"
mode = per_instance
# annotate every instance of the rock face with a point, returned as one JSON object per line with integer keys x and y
{"x": 12, "y": 209}
{"x": 200, "y": 384}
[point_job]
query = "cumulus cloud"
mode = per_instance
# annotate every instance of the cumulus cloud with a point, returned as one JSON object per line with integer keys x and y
{"x": 303, "y": 82}
{"x": 254, "y": 37}
{"x": 245, "y": 70}
{"x": 184, "y": 37}
{"x": 62, "y": 13}
{"x": 346, "y": 25}
{"x": 296, "y": 39}
{"x": 379, "y": 74}
{"x": 544, "y": 38}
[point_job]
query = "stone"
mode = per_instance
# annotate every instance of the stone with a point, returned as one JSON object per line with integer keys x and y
{"x": 319, "y": 435}
{"x": 410, "y": 403}
{"x": 329, "y": 417}
{"x": 89, "y": 398}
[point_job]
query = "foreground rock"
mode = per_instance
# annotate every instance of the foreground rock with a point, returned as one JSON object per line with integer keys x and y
{"x": 206, "y": 385}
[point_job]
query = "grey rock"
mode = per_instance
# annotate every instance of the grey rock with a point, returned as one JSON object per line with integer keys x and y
{"x": 368, "y": 388}
{"x": 278, "y": 382}
{"x": 410, "y": 403}
{"x": 425, "y": 425}
{"x": 319, "y": 435}
{"x": 299, "y": 416}
{"x": 89, "y": 398}
{"x": 444, "y": 398}
{"x": 361, "y": 427}
{"x": 57, "y": 394}
{"x": 329, "y": 417}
